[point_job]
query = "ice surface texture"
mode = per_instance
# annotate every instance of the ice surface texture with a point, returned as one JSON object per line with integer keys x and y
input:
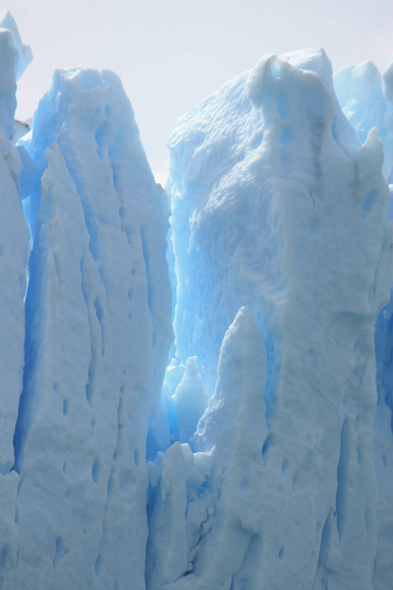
{"x": 277, "y": 205}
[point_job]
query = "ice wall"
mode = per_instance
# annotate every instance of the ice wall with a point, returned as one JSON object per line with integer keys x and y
{"x": 98, "y": 333}
{"x": 14, "y": 247}
{"x": 94, "y": 344}
{"x": 277, "y": 205}
{"x": 234, "y": 430}
{"x": 366, "y": 97}
{"x": 383, "y": 449}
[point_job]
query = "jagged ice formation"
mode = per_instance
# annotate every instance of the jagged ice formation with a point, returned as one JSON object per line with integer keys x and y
{"x": 118, "y": 472}
{"x": 98, "y": 333}
{"x": 366, "y": 97}
{"x": 276, "y": 204}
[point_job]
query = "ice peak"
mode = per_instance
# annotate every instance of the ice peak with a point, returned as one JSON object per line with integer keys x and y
{"x": 25, "y": 53}
{"x": 191, "y": 400}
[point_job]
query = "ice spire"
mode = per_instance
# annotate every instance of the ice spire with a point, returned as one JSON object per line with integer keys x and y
{"x": 191, "y": 400}
{"x": 277, "y": 205}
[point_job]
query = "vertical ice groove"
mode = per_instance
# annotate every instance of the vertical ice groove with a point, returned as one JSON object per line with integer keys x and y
{"x": 322, "y": 574}
{"x": 294, "y": 226}
{"x": 93, "y": 347}
{"x": 120, "y": 426}
{"x": 342, "y": 476}
{"x": 383, "y": 449}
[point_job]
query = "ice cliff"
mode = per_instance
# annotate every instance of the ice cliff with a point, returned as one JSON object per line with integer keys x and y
{"x": 97, "y": 335}
{"x": 366, "y": 97}
{"x": 261, "y": 458}
{"x": 14, "y": 240}
{"x": 278, "y": 205}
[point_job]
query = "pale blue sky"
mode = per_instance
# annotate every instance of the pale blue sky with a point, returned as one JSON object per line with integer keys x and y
{"x": 170, "y": 54}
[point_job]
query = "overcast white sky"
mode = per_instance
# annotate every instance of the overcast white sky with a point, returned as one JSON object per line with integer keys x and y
{"x": 170, "y": 54}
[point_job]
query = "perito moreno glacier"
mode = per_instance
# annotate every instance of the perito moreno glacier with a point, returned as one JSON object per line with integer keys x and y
{"x": 196, "y": 385}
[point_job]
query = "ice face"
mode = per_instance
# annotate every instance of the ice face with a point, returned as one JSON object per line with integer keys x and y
{"x": 277, "y": 205}
{"x": 234, "y": 429}
{"x": 14, "y": 250}
{"x": 99, "y": 286}
{"x": 383, "y": 449}
{"x": 366, "y": 98}
{"x": 98, "y": 334}
{"x": 63, "y": 471}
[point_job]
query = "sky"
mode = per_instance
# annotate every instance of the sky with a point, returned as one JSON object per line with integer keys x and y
{"x": 170, "y": 54}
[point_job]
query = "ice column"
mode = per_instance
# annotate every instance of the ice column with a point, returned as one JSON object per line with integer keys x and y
{"x": 98, "y": 333}
{"x": 191, "y": 400}
{"x": 366, "y": 97}
{"x": 278, "y": 206}
{"x": 14, "y": 240}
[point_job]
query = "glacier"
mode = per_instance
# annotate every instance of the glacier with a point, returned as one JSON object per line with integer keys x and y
{"x": 196, "y": 383}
